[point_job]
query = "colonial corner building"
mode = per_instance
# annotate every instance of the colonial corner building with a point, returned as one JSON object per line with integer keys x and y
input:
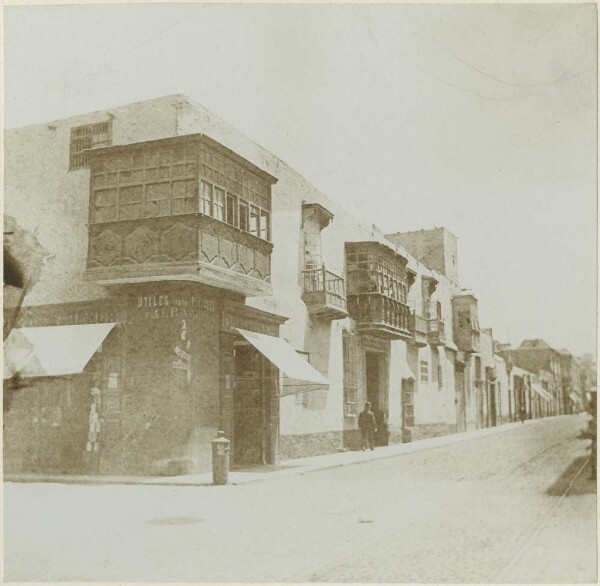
{"x": 193, "y": 282}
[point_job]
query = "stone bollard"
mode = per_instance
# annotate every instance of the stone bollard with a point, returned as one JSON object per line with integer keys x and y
{"x": 220, "y": 458}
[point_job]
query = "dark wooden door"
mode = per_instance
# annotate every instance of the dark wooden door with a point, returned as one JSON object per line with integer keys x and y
{"x": 248, "y": 407}
{"x": 461, "y": 411}
{"x": 376, "y": 394}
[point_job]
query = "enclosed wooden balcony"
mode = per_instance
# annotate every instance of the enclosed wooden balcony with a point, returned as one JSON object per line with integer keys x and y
{"x": 473, "y": 346}
{"x": 182, "y": 208}
{"x": 378, "y": 284}
{"x": 324, "y": 294}
{"x": 418, "y": 326}
{"x": 466, "y": 322}
{"x": 467, "y": 341}
{"x": 377, "y": 314}
{"x": 436, "y": 332}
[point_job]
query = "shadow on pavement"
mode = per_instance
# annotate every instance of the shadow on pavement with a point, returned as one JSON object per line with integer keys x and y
{"x": 584, "y": 484}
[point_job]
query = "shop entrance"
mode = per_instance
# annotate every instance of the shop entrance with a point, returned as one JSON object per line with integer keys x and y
{"x": 249, "y": 406}
{"x": 377, "y": 391}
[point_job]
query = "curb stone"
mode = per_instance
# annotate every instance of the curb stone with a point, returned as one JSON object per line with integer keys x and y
{"x": 385, "y": 452}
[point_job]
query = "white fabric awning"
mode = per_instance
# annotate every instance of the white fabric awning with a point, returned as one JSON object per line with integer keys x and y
{"x": 284, "y": 357}
{"x": 541, "y": 391}
{"x": 52, "y": 351}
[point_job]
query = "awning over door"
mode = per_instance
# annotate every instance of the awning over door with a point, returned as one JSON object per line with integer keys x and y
{"x": 284, "y": 357}
{"x": 52, "y": 351}
{"x": 541, "y": 391}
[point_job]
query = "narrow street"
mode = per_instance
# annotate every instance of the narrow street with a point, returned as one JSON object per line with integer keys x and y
{"x": 518, "y": 506}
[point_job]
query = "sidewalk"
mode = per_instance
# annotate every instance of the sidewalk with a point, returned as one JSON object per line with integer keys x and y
{"x": 282, "y": 469}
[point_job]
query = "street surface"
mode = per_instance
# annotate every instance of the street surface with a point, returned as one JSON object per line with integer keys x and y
{"x": 518, "y": 506}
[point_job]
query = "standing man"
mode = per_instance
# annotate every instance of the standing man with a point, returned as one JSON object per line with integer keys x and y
{"x": 368, "y": 427}
{"x": 522, "y": 413}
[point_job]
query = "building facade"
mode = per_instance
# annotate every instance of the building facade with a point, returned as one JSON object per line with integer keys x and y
{"x": 194, "y": 282}
{"x": 537, "y": 356}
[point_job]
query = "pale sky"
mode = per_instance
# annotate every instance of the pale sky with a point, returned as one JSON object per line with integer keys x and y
{"x": 481, "y": 119}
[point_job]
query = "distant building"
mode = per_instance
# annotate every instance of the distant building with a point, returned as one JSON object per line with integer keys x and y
{"x": 436, "y": 248}
{"x": 574, "y": 396}
{"x": 588, "y": 375}
{"x": 536, "y": 355}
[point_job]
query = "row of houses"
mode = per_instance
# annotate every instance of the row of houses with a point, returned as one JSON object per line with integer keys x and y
{"x": 194, "y": 282}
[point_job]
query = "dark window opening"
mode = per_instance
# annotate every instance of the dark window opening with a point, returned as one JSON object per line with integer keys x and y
{"x": 87, "y": 137}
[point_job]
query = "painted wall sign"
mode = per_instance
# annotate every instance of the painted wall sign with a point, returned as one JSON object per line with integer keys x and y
{"x": 181, "y": 353}
{"x": 185, "y": 358}
{"x": 111, "y": 403}
{"x": 181, "y": 365}
{"x": 174, "y": 306}
{"x": 153, "y": 301}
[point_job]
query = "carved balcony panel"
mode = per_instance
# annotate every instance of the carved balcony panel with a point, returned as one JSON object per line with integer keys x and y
{"x": 189, "y": 247}
{"x": 379, "y": 315}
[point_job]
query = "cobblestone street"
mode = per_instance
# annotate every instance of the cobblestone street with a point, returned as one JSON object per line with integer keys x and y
{"x": 518, "y": 506}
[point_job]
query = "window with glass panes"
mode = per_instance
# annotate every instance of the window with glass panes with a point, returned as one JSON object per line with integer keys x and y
{"x": 231, "y": 211}
{"x": 312, "y": 251}
{"x": 243, "y": 222}
{"x": 219, "y": 204}
{"x": 206, "y": 198}
{"x": 370, "y": 272}
{"x": 233, "y": 195}
{"x": 254, "y": 220}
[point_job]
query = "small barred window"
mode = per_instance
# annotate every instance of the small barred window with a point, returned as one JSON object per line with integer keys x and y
{"x": 87, "y": 137}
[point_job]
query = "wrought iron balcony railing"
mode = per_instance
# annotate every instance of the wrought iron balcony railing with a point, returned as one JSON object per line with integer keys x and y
{"x": 419, "y": 329}
{"x": 324, "y": 293}
{"x": 436, "y": 330}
